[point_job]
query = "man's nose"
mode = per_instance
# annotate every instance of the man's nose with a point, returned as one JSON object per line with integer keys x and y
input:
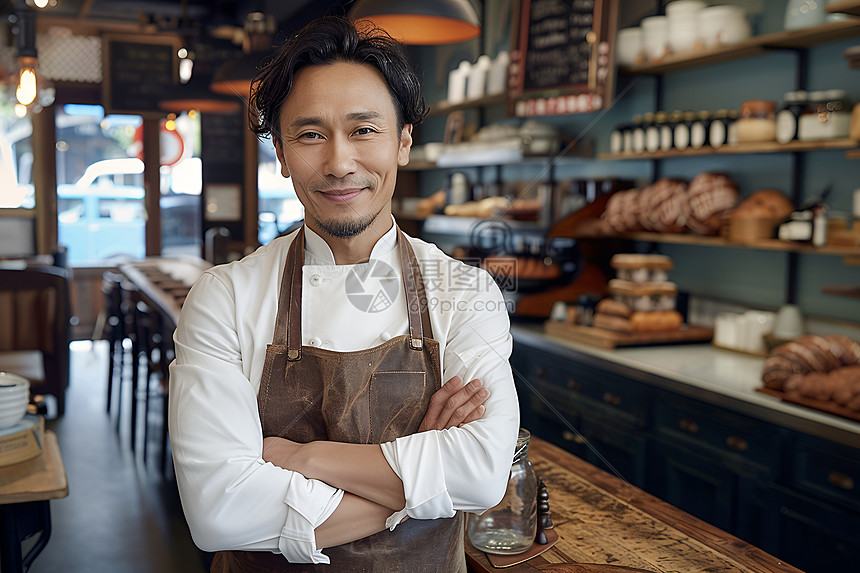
{"x": 339, "y": 157}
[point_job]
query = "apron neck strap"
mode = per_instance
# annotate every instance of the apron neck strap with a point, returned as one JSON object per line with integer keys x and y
{"x": 288, "y": 324}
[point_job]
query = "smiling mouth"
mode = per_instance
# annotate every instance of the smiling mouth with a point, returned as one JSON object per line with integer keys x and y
{"x": 341, "y": 195}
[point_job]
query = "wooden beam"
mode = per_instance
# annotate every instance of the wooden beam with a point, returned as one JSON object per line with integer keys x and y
{"x": 152, "y": 184}
{"x": 45, "y": 179}
{"x": 96, "y": 27}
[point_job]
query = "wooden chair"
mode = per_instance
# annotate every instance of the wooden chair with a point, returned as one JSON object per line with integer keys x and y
{"x": 34, "y": 328}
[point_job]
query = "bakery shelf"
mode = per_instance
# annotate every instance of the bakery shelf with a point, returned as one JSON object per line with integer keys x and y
{"x": 742, "y": 148}
{"x": 443, "y": 107}
{"x": 847, "y": 291}
{"x": 843, "y": 7}
{"x": 755, "y": 46}
{"x": 763, "y": 245}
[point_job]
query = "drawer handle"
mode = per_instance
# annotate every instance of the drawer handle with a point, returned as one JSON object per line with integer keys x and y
{"x": 541, "y": 372}
{"x": 574, "y": 385}
{"x": 612, "y": 399}
{"x": 841, "y": 481}
{"x": 575, "y": 438}
{"x": 688, "y": 426}
{"x": 737, "y": 444}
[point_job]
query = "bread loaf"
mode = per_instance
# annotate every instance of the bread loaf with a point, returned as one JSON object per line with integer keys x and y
{"x": 664, "y": 206}
{"x": 711, "y": 196}
{"x": 820, "y": 367}
{"x": 612, "y": 322}
{"x": 656, "y": 321}
{"x": 613, "y": 307}
{"x": 764, "y": 204}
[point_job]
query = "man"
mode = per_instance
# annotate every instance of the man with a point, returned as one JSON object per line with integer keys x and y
{"x": 301, "y": 417}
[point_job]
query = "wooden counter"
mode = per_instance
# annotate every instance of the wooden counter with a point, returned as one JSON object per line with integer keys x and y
{"x": 601, "y": 519}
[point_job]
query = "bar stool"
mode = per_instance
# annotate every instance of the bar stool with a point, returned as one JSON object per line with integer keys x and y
{"x": 113, "y": 329}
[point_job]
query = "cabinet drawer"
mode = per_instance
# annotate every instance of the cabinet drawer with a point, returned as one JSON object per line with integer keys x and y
{"x": 599, "y": 388}
{"x": 708, "y": 428}
{"x": 827, "y": 469}
{"x": 561, "y": 428}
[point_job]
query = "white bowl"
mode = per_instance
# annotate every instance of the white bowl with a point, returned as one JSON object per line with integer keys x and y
{"x": 655, "y": 37}
{"x": 12, "y": 384}
{"x": 723, "y": 24}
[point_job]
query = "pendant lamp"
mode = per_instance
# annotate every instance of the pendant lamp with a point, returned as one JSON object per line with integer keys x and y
{"x": 421, "y": 22}
{"x": 197, "y": 95}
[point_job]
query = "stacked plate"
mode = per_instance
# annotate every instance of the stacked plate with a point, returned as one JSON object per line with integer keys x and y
{"x": 14, "y": 397}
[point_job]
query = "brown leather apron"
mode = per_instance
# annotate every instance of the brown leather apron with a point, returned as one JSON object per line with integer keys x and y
{"x": 361, "y": 397}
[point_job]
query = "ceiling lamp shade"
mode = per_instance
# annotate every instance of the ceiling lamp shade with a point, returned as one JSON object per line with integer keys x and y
{"x": 197, "y": 95}
{"x": 233, "y": 77}
{"x": 421, "y": 22}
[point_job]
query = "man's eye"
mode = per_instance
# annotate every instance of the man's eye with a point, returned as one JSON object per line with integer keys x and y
{"x": 364, "y": 131}
{"x": 310, "y": 135}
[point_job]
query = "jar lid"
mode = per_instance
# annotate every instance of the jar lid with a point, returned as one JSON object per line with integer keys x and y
{"x": 704, "y": 114}
{"x": 721, "y": 114}
{"x": 757, "y": 107}
{"x": 689, "y": 116}
{"x": 649, "y": 117}
{"x": 832, "y": 95}
{"x": 637, "y": 118}
{"x": 660, "y": 116}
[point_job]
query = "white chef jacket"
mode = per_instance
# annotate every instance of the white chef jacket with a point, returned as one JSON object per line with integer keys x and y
{"x": 232, "y": 499}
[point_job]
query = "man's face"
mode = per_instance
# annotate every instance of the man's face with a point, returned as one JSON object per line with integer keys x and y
{"x": 340, "y": 144}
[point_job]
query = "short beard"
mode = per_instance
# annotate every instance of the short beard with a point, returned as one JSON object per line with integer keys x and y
{"x": 348, "y": 228}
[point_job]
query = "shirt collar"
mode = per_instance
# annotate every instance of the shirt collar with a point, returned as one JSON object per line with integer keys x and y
{"x": 317, "y": 247}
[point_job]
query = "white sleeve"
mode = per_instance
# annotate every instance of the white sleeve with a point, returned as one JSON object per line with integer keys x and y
{"x": 465, "y": 468}
{"x": 232, "y": 499}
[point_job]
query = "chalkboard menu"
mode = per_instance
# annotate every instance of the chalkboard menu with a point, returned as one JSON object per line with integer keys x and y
{"x": 139, "y": 72}
{"x": 563, "y": 50}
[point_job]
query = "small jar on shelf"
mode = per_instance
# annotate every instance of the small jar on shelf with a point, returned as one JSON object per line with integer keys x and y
{"x": 682, "y": 130}
{"x": 828, "y": 116}
{"x": 718, "y": 130}
{"x": 652, "y": 133}
{"x": 699, "y": 130}
{"x": 757, "y": 123}
{"x": 788, "y": 116}
{"x": 665, "y": 129}
{"x": 638, "y": 134}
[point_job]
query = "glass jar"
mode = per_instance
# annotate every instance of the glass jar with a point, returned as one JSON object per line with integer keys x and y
{"x": 666, "y": 129}
{"x": 788, "y": 116}
{"x": 699, "y": 130}
{"x": 638, "y": 134}
{"x": 652, "y": 133}
{"x": 718, "y": 132}
{"x": 682, "y": 130}
{"x": 757, "y": 121}
{"x": 510, "y": 527}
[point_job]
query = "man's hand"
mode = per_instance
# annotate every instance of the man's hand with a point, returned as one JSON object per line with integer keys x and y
{"x": 455, "y": 404}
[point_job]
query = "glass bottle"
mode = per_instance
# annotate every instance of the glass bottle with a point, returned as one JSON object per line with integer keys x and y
{"x": 510, "y": 527}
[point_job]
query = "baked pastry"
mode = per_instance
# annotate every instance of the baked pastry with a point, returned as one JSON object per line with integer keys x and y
{"x": 645, "y": 296}
{"x": 846, "y": 349}
{"x": 664, "y": 206}
{"x": 621, "y": 211}
{"x": 820, "y": 367}
{"x": 711, "y": 196}
{"x": 764, "y": 204}
{"x": 640, "y": 268}
{"x": 656, "y": 320}
{"x": 613, "y": 307}
{"x": 612, "y": 322}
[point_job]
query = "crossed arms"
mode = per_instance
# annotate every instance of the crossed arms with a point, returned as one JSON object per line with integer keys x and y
{"x": 373, "y": 491}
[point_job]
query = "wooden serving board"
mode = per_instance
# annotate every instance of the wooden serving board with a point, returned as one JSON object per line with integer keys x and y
{"x": 610, "y": 339}
{"x": 822, "y": 405}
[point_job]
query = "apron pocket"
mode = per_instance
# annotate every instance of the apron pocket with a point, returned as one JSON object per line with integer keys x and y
{"x": 397, "y": 404}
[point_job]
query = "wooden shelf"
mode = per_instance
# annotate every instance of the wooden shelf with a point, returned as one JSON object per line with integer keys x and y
{"x": 844, "y": 7}
{"x": 443, "y": 107}
{"x": 755, "y": 46}
{"x": 741, "y": 148}
{"x": 847, "y": 291}
{"x": 763, "y": 245}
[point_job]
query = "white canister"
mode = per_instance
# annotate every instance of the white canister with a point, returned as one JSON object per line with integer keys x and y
{"x": 655, "y": 37}
{"x": 497, "y": 77}
{"x": 628, "y": 46}
{"x": 804, "y": 14}
{"x": 722, "y": 25}
{"x": 683, "y": 26}
{"x": 478, "y": 78}
{"x": 457, "y": 79}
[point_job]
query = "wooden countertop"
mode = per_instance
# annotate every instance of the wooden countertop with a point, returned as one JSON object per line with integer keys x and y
{"x": 601, "y": 519}
{"x": 39, "y": 479}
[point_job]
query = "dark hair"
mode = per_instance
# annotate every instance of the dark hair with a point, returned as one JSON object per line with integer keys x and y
{"x": 325, "y": 41}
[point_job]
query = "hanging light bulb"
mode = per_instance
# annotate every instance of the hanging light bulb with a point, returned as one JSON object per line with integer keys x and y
{"x": 26, "y": 91}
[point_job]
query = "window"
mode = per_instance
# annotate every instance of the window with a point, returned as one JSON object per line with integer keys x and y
{"x": 279, "y": 208}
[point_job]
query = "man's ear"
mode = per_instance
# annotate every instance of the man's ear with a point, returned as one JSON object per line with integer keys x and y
{"x": 279, "y": 151}
{"x": 405, "y": 145}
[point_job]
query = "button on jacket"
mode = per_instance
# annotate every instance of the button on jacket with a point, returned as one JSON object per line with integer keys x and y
{"x": 231, "y": 497}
